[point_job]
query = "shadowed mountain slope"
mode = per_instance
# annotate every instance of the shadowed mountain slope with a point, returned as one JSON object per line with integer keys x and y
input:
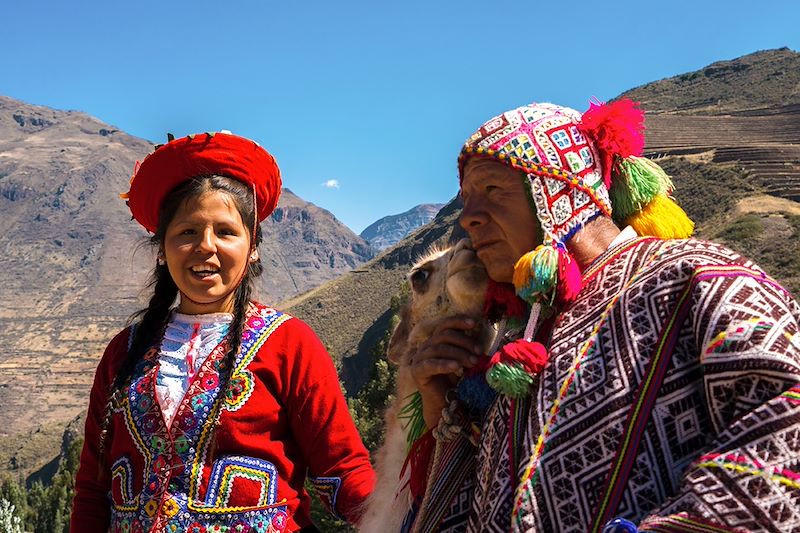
{"x": 73, "y": 265}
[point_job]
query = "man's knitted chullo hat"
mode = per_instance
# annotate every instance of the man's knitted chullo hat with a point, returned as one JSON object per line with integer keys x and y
{"x": 577, "y": 167}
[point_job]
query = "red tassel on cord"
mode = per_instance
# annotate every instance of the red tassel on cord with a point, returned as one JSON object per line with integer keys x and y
{"x": 531, "y": 355}
{"x": 617, "y": 130}
{"x": 419, "y": 460}
{"x": 570, "y": 280}
{"x": 502, "y": 300}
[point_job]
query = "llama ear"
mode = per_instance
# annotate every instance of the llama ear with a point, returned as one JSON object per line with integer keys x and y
{"x": 398, "y": 343}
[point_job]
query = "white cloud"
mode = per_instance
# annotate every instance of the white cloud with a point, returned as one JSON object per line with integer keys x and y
{"x": 331, "y": 184}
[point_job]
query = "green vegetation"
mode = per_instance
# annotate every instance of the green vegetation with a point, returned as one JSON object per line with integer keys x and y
{"x": 706, "y": 191}
{"x": 368, "y": 406}
{"x": 746, "y": 228}
{"x": 43, "y": 508}
{"x": 772, "y": 241}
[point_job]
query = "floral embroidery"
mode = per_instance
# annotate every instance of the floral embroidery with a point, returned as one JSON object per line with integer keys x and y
{"x": 151, "y": 508}
{"x": 175, "y": 457}
{"x": 170, "y": 507}
{"x": 280, "y": 520}
{"x": 240, "y": 527}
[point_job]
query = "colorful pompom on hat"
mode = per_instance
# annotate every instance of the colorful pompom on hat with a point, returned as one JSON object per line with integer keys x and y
{"x": 578, "y": 167}
{"x": 179, "y": 160}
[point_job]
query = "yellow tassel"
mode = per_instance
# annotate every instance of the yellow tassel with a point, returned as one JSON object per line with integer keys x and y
{"x": 662, "y": 218}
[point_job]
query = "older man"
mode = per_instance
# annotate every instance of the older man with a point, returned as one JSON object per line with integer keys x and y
{"x": 653, "y": 381}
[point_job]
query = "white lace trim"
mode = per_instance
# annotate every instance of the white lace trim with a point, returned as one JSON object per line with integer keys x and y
{"x": 174, "y": 374}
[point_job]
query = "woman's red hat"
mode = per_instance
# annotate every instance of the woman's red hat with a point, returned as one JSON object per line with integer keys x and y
{"x": 179, "y": 160}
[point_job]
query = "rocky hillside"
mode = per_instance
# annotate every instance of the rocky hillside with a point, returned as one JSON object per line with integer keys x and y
{"x": 767, "y": 78}
{"x": 727, "y": 195}
{"x": 744, "y": 112}
{"x": 389, "y": 230}
{"x": 73, "y": 265}
{"x": 732, "y": 199}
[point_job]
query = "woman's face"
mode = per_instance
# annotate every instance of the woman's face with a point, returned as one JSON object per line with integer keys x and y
{"x": 207, "y": 248}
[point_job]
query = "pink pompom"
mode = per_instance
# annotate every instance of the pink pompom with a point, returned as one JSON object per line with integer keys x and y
{"x": 617, "y": 130}
{"x": 531, "y": 355}
{"x": 570, "y": 280}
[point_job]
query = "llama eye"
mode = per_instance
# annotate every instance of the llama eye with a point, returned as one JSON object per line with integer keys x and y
{"x": 418, "y": 279}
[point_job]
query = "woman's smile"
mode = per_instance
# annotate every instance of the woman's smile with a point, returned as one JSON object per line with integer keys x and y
{"x": 207, "y": 247}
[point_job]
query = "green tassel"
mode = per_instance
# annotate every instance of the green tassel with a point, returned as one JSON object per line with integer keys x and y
{"x": 509, "y": 379}
{"x": 535, "y": 274}
{"x": 545, "y": 270}
{"x": 414, "y": 419}
{"x": 639, "y": 181}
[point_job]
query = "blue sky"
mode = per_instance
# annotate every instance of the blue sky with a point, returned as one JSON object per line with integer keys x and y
{"x": 377, "y": 96}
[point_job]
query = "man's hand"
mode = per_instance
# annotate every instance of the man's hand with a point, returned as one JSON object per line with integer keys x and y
{"x": 441, "y": 361}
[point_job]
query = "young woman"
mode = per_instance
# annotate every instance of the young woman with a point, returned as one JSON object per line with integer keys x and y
{"x": 209, "y": 416}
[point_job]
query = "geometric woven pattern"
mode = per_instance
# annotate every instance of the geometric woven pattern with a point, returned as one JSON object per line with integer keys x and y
{"x": 545, "y": 142}
{"x": 721, "y": 449}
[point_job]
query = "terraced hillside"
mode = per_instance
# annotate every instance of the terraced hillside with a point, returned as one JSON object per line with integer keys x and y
{"x": 744, "y": 111}
{"x": 765, "y": 142}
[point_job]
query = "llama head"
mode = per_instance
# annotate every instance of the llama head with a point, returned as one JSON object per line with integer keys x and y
{"x": 444, "y": 283}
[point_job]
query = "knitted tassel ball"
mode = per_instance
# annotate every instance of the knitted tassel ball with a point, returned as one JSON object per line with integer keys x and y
{"x": 617, "y": 129}
{"x": 662, "y": 218}
{"x": 514, "y": 365}
{"x": 570, "y": 280}
{"x": 535, "y": 273}
{"x": 639, "y": 181}
{"x": 475, "y": 392}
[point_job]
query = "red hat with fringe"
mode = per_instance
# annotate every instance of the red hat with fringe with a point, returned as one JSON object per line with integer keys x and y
{"x": 179, "y": 160}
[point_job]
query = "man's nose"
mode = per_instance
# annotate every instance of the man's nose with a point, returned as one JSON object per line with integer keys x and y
{"x": 471, "y": 215}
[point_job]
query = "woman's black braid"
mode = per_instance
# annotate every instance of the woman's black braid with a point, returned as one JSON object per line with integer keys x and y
{"x": 154, "y": 318}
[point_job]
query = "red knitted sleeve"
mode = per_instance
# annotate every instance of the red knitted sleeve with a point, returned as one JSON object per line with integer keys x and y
{"x": 91, "y": 511}
{"x": 339, "y": 466}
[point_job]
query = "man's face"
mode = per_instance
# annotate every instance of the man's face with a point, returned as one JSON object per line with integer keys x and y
{"x": 497, "y": 215}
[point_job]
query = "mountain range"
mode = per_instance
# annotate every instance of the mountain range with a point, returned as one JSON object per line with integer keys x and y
{"x": 727, "y": 133}
{"x": 389, "y": 230}
{"x": 74, "y": 264}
